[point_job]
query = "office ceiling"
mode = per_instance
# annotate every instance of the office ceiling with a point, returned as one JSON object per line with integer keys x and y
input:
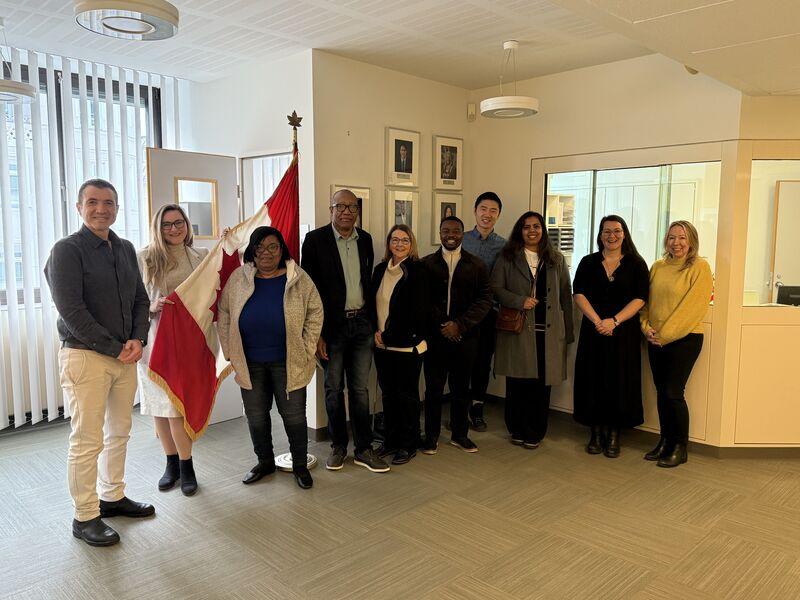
{"x": 452, "y": 41}
{"x": 752, "y": 45}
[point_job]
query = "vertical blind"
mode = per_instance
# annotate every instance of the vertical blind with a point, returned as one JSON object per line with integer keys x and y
{"x": 88, "y": 120}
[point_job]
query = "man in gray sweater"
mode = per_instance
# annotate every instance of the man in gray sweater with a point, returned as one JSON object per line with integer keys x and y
{"x": 103, "y": 324}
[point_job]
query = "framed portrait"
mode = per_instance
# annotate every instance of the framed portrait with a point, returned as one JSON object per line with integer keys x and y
{"x": 402, "y": 207}
{"x": 362, "y": 195}
{"x": 448, "y": 162}
{"x": 444, "y": 205}
{"x": 402, "y": 157}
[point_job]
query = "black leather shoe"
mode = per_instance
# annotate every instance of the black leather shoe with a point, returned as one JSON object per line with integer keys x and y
{"x": 678, "y": 456}
{"x": 595, "y": 445}
{"x": 303, "y": 477}
{"x": 188, "y": 478}
{"x": 171, "y": 473}
{"x": 658, "y": 451}
{"x": 94, "y": 532}
{"x": 126, "y": 508}
{"x": 401, "y": 457}
{"x": 262, "y": 469}
{"x": 612, "y": 443}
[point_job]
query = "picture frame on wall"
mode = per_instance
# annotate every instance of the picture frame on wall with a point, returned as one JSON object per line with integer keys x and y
{"x": 444, "y": 205}
{"x": 402, "y": 207}
{"x": 448, "y": 163}
{"x": 402, "y": 157}
{"x": 362, "y": 195}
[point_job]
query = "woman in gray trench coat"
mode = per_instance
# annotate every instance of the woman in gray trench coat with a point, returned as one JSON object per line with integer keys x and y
{"x": 531, "y": 275}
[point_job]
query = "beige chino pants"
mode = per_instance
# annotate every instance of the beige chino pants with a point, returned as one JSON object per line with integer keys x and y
{"x": 99, "y": 391}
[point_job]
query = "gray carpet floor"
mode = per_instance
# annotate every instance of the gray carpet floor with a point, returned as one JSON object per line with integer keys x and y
{"x": 505, "y": 523}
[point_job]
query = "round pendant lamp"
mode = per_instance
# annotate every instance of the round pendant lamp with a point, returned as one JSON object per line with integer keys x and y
{"x": 16, "y": 92}
{"x": 509, "y": 107}
{"x": 128, "y": 19}
{"x": 11, "y": 90}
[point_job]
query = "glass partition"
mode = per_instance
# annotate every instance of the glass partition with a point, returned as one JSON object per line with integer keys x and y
{"x": 648, "y": 198}
{"x": 772, "y": 267}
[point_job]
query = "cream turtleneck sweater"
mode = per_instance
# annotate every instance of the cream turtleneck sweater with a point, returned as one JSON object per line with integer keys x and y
{"x": 451, "y": 257}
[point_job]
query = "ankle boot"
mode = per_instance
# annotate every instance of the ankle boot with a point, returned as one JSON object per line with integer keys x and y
{"x": 188, "y": 479}
{"x": 612, "y": 443}
{"x": 678, "y": 456}
{"x": 595, "y": 445}
{"x": 171, "y": 474}
{"x": 656, "y": 452}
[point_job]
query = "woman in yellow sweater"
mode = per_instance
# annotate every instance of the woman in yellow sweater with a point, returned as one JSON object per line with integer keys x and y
{"x": 680, "y": 291}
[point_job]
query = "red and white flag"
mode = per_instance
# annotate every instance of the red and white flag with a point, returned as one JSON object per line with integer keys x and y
{"x": 186, "y": 359}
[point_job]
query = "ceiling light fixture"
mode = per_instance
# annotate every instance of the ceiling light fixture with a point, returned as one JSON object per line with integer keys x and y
{"x": 509, "y": 107}
{"x": 11, "y": 90}
{"x": 128, "y": 19}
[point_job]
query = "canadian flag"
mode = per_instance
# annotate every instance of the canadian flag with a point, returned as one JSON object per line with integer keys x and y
{"x": 186, "y": 360}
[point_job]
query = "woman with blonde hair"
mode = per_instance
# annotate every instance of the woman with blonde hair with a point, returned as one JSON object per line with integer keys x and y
{"x": 400, "y": 309}
{"x": 672, "y": 321}
{"x": 165, "y": 263}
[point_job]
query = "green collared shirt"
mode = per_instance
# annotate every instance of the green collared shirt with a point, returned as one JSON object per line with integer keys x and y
{"x": 351, "y": 265}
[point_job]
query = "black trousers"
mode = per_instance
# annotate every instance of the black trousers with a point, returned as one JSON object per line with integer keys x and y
{"x": 527, "y": 407}
{"x": 269, "y": 381}
{"x": 671, "y": 366}
{"x": 487, "y": 336}
{"x": 454, "y": 361}
{"x": 398, "y": 376}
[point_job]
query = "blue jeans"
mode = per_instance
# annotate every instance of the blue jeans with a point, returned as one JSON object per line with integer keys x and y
{"x": 269, "y": 380}
{"x": 350, "y": 354}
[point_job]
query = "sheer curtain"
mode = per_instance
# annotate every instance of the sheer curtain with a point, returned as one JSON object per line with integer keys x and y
{"x": 89, "y": 120}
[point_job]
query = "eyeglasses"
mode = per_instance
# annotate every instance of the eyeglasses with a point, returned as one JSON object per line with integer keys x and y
{"x": 270, "y": 248}
{"x": 400, "y": 241}
{"x": 178, "y": 224}
{"x": 608, "y": 232}
{"x": 351, "y": 208}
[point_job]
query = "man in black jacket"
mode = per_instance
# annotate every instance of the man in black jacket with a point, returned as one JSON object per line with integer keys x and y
{"x": 461, "y": 297}
{"x": 338, "y": 258}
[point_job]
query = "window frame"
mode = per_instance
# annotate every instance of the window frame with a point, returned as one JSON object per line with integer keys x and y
{"x": 66, "y": 203}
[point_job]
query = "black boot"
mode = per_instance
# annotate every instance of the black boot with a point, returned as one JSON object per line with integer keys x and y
{"x": 678, "y": 456}
{"x": 188, "y": 479}
{"x": 656, "y": 452}
{"x": 171, "y": 474}
{"x": 476, "y": 417}
{"x": 612, "y": 443}
{"x": 595, "y": 445}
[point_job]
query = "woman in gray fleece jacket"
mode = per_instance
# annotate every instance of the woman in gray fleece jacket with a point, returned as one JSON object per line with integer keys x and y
{"x": 270, "y": 318}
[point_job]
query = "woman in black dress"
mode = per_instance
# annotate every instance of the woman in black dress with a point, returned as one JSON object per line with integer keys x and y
{"x": 610, "y": 287}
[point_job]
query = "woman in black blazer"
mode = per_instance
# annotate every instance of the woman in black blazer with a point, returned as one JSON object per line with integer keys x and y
{"x": 400, "y": 309}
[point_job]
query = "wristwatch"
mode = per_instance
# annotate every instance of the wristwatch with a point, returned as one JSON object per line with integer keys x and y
{"x": 616, "y": 323}
{"x": 143, "y": 342}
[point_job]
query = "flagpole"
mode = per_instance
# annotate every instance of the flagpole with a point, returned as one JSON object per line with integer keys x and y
{"x": 294, "y": 122}
{"x": 284, "y": 461}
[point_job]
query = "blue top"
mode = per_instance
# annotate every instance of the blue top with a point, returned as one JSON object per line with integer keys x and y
{"x": 487, "y": 250}
{"x": 262, "y": 323}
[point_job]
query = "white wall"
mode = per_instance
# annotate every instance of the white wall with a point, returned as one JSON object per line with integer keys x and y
{"x": 770, "y": 117}
{"x": 353, "y": 104}
{"x": 642, "y": 102}
{"x": 244, "y": 114}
